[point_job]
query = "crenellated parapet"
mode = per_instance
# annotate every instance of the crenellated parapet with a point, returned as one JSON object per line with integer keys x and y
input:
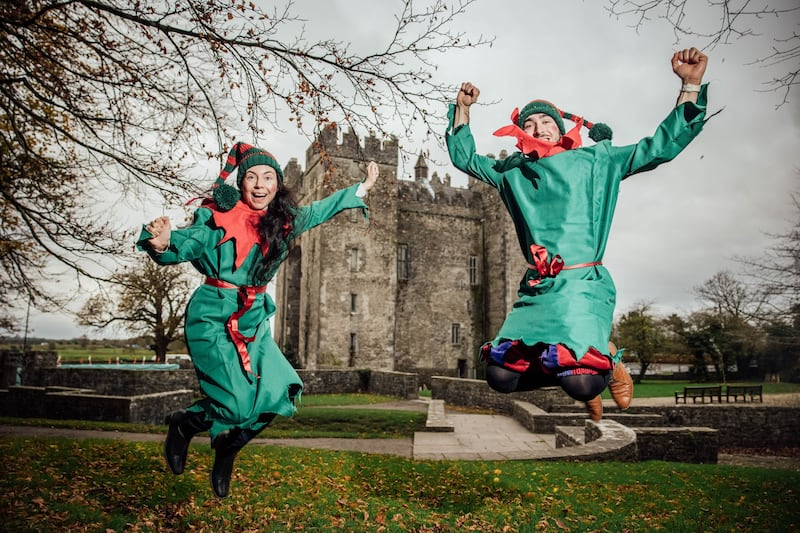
{"x": 292, "y": 172}
{"x": 424, "y": 193}
{"x": 349, "y": 146}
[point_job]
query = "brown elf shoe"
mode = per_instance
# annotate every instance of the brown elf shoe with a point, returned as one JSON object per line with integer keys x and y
{"x": 621, "y": 383}
{"x": 595, "y": 408}
{"x": 621, "y": 386}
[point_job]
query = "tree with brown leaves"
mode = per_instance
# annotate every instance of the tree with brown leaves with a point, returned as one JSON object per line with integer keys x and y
{"x": 103, "y": 102}
{"x": 146, "y": 300}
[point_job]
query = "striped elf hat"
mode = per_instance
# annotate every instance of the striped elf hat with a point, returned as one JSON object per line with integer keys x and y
{"x": 241, "y": 156}
{"x": 597, "y": 131}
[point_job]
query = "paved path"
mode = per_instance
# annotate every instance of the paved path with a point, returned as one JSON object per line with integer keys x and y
{"x": 482, "y": 437}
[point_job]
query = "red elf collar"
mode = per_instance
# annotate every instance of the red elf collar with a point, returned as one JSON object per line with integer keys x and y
{"x": 240, "y": 224}
{"x": 538, "y": 148}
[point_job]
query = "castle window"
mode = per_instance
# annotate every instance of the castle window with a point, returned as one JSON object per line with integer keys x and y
{"x": 353, "y": 349}
{"x": 472, "y": 266}
{"x": 455, "y": 333}
{"x": 353, "y": 259}
{"x": 403, "y": 261}
{"x": 353, "y": 299}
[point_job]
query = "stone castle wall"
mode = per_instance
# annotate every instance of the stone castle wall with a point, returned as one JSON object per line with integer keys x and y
{"x": 438, "y": 295}
{"x": 334, "y": 314}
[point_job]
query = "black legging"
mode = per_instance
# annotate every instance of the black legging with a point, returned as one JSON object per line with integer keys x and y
{"x": 581, "y": 387}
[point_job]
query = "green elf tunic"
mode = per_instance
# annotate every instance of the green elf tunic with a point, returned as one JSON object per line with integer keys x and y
{"x": 562, "y": 207}
{"x": 243, "y": 390}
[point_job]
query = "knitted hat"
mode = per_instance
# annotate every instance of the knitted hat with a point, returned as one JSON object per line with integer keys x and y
{"x": 541, "y": 106}
{"x": 243, "y": 156}
{"x": 597, "y": 132}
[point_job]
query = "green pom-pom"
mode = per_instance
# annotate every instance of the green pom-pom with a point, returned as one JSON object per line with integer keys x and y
{"x": 600, "y": 132}
{"x": 225, "y": 196}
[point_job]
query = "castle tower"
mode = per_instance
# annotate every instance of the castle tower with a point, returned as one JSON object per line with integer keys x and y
{"x": 417, "y": 288}
{"x": 440, "y": 289}
{"x": 421, "y": 168}
{"x": 335, "y": 292}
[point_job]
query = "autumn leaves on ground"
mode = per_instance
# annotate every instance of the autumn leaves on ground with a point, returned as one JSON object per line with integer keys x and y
{"x": 83, "y": 485}
{"x": 55, "y": 484}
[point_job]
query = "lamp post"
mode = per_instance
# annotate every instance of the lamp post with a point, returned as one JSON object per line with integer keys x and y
{"x": 27, "y": 318}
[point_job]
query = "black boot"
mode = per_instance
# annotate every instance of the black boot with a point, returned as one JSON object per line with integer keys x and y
{"x": 183, "y": 425}
{"x": 227, "y": 445}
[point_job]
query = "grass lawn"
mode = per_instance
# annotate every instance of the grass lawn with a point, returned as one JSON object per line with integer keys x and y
{"x": 321, "y": 415}
{"x": 54, "y": 484}
{"x": 661, "y": 388}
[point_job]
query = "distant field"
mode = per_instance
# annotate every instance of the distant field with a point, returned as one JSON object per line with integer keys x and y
{"x": 73, "y": 352}
{"x": 101, "y": 354}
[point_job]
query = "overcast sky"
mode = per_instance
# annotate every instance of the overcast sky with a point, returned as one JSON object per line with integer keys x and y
{"x": 675, "y": 226}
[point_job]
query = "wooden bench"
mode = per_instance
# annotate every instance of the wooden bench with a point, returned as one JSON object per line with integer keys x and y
{"x": 743, "y": 391}
{"x": 699, "y": 392}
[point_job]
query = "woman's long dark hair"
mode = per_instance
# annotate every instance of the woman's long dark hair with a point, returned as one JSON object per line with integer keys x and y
{"x": 274, "y": 227}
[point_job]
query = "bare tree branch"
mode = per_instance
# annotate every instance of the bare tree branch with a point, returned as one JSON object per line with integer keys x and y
{"x": 732, "y": 20}
{"x": 145, "y": 299}
{"x": 104, "y": 102}
{"x": 777, "y": 271}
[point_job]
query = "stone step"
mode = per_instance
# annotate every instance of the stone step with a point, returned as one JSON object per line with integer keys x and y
{"x": 569, "y": 436}
{"x": 437, "y": 418}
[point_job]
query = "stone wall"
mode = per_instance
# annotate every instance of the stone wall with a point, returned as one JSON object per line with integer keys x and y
{"x": 476, "y": 393}
{"x": 681, "y": 444}
{"x": 61, "y": 403}
{"x": 126, "y": 382}
{"x": 654, "y": 440}
{"x": 15, "y": 367}
{"x": 746, "y": 426}
{"x": 399, "y": 384}
{"x": 334, "y": 381}
{"x": 425, "y": 375}
{"x": 606, "y": 440}
{"x": 538, "y": 420}
{"x": 147, "y": 396}
{"x": 122, "y": 382}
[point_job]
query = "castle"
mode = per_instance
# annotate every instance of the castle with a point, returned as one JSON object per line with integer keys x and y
{"x": 418, "y": 287}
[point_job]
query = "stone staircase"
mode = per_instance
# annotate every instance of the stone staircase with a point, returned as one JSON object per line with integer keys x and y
{"x": 617, "y": 437}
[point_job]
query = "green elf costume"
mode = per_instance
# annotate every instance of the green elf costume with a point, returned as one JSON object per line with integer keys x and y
{"x": 561, "y": 198}
{"x": 243, "y": 376}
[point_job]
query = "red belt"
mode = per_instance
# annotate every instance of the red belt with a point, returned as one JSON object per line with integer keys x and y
{"x": 247, "y": 295}
{"x": 550, "y": 269}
